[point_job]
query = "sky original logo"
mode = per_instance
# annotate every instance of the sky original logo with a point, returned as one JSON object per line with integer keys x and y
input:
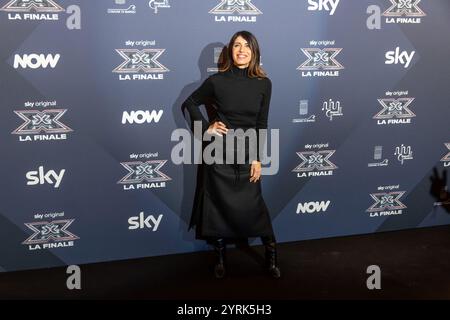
{"x": 315, "y": 163}
{"x": 140, "y": 64}
{"x": 395, "y": 109}
{"x": 50, "y": 235}
{"x": 323, "y": 5}
{"x": 320, "y": 62}
{"x": 144, "y": 175}
{"x": 235, "y": 11}
{"x": 386, "y": 203}
{"x": 42, "y": 125}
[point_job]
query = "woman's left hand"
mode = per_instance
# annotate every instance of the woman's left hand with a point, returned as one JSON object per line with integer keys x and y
{"x": 255, "y": 171}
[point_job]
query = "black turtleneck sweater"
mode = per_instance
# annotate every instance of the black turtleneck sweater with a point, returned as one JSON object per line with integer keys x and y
{"x": 244, "y": 101}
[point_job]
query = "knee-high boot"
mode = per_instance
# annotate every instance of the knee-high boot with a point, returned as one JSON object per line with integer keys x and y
{"x": 219, "y": 250}
{"x": 271, "y": 256}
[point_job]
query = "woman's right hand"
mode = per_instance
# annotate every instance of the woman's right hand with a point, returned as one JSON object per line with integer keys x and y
{"x": 217, "y": 127}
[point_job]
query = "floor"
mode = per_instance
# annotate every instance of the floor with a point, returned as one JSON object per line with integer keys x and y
{"x": 414, "y": 264}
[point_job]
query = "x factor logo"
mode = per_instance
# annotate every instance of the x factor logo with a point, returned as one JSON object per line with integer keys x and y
{"x": 232, "y": 6}
{"x": 50, "y": 231}
{"x": 407, "y": 8}
{"x": 140, "y": 60}
{"x": 447, "y": 156}
{"x": 29, "y": 5}
{"x": 319, "y": 160}
{"x": 395, "y": 108}
{"x": 387, "y": 201}
{"x": 140, "y": 171}
{"x": 321, "y": 59}
{"x": 37, "y": 121}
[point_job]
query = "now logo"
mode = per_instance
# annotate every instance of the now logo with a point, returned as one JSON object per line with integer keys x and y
{"x": 319, "y": 5}
{"x": 35, "y": 61}
{"x": 313, "y": 206}
{"x": 141, "y": 222}
{"x": 399, "y": 57}
{"x": 41, "y": 177}
{"x": 141, "y": 116}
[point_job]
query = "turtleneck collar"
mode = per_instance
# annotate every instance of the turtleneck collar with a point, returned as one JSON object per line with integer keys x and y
{"x": 235, "y": 70}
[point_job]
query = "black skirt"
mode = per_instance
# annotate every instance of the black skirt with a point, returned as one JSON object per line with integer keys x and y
{"x": 228, "y": 205}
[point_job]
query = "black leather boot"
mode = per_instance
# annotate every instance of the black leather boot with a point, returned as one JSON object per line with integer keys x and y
{"x": 271, "y": 257}
{"x": 219, "y": 250}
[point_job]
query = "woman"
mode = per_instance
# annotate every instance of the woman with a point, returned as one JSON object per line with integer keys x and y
{"x": 229, "y": 203}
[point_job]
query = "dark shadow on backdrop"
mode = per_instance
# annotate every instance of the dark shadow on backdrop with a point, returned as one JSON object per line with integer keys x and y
{"x": 192, "y": 173}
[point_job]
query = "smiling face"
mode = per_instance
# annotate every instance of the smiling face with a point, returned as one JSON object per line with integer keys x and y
{"x": 242, "y": 54}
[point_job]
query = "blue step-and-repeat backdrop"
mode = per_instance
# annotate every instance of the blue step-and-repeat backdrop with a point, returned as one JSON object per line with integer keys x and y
{"x": 91, "y": 91}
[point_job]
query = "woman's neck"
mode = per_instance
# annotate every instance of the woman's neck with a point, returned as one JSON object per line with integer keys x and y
{"x": 239, "y": 71}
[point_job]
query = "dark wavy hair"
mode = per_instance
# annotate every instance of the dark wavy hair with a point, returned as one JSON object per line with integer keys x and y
{"x": 254, "y": 68}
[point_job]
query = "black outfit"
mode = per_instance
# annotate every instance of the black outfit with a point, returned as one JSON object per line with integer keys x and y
{"x": 227, "y": 204}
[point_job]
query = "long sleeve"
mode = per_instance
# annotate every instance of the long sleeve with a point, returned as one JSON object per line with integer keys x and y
{"x": 197, "y": 98}
{"x": 261, "y": 122}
